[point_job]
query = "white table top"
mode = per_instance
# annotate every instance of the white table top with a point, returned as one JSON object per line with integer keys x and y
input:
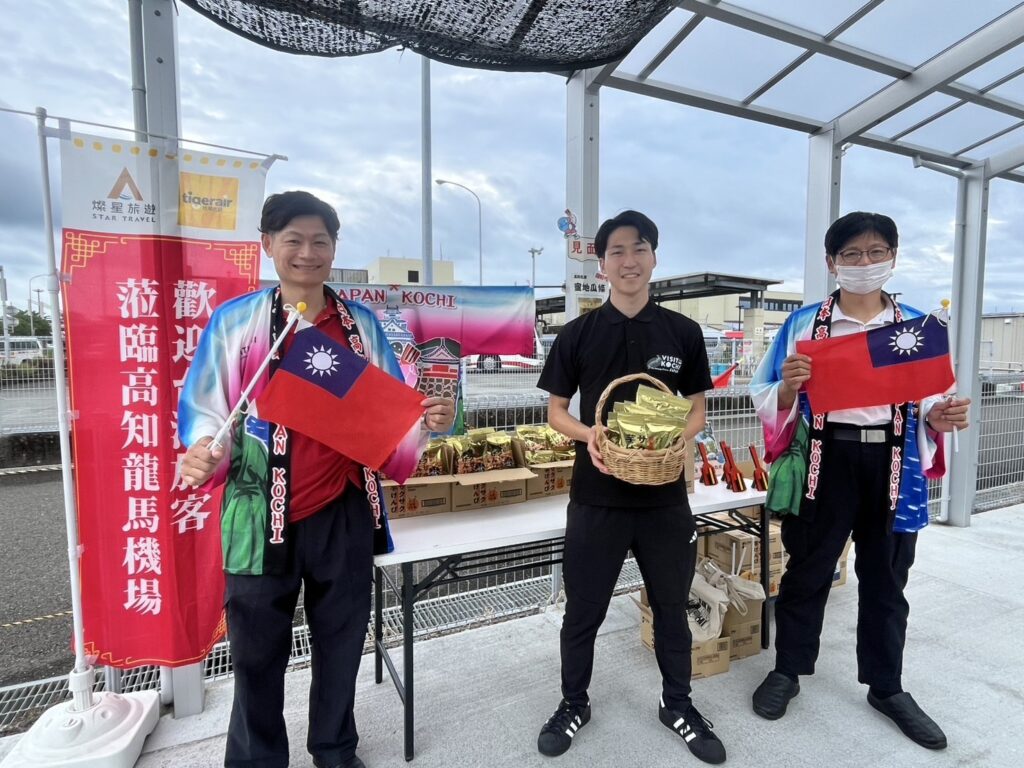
{"x": 451, "y": 533}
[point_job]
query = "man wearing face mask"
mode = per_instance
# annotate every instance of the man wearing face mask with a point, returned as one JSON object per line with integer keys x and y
{"x": 858, "y": 456}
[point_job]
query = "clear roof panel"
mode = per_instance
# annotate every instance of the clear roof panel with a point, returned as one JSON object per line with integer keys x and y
{"x": 654, "y": 41}
{"x": 1014, "y": 138}
{"x": 963, "y": 126}
{"x": 813, "y": 15}
{"x": 912, "y": 115}
{"x": 1012, "y": 90}
{"x": 823, "y": 88}
{"x": 996, "y": 69}
{"x": 913, "y": 31}
{"x": 725, "y": 60}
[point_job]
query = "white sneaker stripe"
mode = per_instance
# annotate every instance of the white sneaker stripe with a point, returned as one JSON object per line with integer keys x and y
{"x": 677, "y": 723}
{"x": 569, "y": 733}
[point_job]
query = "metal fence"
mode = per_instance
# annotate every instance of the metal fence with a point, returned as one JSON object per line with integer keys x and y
{"x": 503, "y": 400}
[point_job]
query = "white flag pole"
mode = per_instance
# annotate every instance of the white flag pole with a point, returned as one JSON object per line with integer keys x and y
{"x": 294, "y": 314}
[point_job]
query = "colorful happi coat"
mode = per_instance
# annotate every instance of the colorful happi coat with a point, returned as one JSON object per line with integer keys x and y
{"x": 254, "y": 511}
{"x": 915, "y": 457}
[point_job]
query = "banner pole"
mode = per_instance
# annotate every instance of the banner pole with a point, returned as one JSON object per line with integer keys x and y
{"x": 102, "y": 730}
{"x": 82, "y": 699}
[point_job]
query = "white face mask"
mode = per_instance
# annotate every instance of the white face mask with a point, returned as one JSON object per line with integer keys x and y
{"x": 866, "y": 279}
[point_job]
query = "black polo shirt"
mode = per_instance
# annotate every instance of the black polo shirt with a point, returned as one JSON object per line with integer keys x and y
{"x": 603, "y": 345}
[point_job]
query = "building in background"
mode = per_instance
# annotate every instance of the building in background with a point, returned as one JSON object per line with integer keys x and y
{"x": 391, "y": 271}
{"x": 1002, "y": 342}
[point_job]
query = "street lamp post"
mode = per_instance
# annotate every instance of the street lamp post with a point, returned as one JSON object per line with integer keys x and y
{"x": 31, "y": 318}
{"x": 479, "y": 221}
{"x": 534, "y": 253}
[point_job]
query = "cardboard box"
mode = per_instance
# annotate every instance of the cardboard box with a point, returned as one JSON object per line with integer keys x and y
{"x": 688, "y": 466}
{"x": 745, "y": 640}
{"x": 839, "y": 577}
{"x": 706, "y": 659}
{"x": 489, "y": 489}
{"x": 419, "y": 496}
{"x": 738, "y": 551}
{"x": 733, "y": 618}
{"x": 549, "y": 479}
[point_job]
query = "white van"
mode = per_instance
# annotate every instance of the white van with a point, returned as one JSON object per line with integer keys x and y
{"x": 509, "y": 363}
{"x": 22, "y": 348}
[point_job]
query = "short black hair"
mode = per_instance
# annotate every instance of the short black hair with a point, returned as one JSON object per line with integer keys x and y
{"x": 846, "y": 228}
{"x": 281, "y": 208}
{"x": 644, "y": 226}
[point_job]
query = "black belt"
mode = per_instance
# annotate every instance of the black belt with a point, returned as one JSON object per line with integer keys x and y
{"x": 855, "y": 435}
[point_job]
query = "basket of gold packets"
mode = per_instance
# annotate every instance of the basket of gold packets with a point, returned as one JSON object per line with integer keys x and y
{"x": 643, "y": 442}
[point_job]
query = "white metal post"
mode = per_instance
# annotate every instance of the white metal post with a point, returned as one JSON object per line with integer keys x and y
{"x": 583, "y": 129}
{"x": 426, "y": 171}
{"x": 968, "y": 283}
{"x": 163, "y": 118}
{"x": 160, "y": 52}
{"x": 824, "y": 176}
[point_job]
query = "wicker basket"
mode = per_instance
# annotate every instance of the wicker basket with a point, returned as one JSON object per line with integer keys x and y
{"x": 639, "y": 466}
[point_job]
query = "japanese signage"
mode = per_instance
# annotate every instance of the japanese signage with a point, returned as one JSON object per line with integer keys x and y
{"x": 585, "y": 289}
{"x": 153, "y": 240}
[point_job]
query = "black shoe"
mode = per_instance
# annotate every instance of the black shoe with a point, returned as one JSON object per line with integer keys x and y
{"x": 352, "y": 762}
{"x": 556, "y": 735}
{"x": 911, "y": 719}
{"x": 772, "y": 696}
{"x": 696, "y": 732}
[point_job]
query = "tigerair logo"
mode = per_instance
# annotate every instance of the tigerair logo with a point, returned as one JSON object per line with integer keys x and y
{"x": 207, "y": 202}
{"x": 125, "y": 188}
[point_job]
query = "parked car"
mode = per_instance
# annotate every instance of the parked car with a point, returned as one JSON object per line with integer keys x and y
{"x": 512, "y": 363}
{"x": 22, "y": 348}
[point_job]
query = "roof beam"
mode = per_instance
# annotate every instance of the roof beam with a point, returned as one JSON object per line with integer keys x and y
{"x": 703, "y": 100}
{"x": 982, "y": 46}
{"x": 670, "y": 46}
{"x": 787, "y": 33}
{"x": 848, "y": 22}
{"x": 711, "y": 102}
{"x": 990, "y": 137}
{"x": 1001, "y": 164}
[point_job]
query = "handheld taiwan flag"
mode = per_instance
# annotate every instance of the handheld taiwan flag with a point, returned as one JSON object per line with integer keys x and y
{"x": 327, "y": 392}
{"x": 897, "y": 363}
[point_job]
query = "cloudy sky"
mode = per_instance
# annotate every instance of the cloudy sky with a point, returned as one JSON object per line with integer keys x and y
{"x": 727, "y": 194}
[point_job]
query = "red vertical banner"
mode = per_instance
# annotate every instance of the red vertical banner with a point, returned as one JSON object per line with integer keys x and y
{"x": 135, "y": 303}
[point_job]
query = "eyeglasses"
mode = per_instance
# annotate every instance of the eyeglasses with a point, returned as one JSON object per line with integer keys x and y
{"x": 852, "y": 255}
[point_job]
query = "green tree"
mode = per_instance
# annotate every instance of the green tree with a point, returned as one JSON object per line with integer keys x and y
{"x": 38, "y": 325}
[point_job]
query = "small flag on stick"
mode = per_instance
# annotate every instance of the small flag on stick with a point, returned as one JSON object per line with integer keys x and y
{"x": 897, "y": 363}
{"x": 329, "y": 393}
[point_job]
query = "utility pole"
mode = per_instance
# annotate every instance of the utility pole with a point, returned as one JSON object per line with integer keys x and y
{"x": 534, "y": 253}
{"x": 3, "y": 315}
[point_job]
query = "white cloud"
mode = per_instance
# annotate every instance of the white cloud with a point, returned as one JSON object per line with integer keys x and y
{"x": 728, "y": 195}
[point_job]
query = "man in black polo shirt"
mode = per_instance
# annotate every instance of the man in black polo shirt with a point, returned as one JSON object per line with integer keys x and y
{"x": 606, "y": 516}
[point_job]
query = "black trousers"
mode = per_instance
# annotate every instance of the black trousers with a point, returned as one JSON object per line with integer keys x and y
{"x": 664, "y": 541}
{"x": 332, "y": 554}
{"x": 853, "y": 496}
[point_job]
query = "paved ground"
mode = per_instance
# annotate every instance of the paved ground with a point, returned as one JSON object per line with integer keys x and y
{"x": 483, "y": 695}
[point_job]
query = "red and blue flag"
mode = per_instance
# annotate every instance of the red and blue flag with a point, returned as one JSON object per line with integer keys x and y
{"x": 897, "y": 363}
{"x": 327, "y": 392}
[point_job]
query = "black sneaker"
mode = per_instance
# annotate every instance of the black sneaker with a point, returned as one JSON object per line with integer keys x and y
{"x": 556, "y": 735}
{"x": 696, "y": 732}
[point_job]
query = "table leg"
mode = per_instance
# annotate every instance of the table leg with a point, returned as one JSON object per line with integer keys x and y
{"x": 378, "y": 629}
{"x": 408, "y": 599}
{"x": 765, "y": 576}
